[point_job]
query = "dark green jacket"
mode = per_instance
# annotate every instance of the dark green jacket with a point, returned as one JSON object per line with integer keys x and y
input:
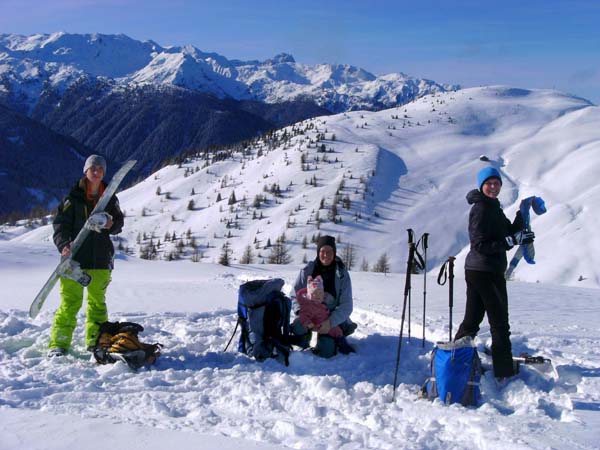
{"x": 97, "y": 251}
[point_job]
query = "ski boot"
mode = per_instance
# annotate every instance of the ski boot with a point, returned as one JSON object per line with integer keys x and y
{"x": 56, "y": 352}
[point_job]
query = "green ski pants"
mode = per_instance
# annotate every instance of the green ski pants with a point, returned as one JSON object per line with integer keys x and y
{"x": 71, "y": 294}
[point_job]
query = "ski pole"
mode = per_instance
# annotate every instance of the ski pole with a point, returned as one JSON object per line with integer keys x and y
{"x": 448, "y": 266}
{"x": 410, "y": 242}
{"x": 411, "y": 253}
{"x": 451, "y": 289}
{"x": 424, "y": 243}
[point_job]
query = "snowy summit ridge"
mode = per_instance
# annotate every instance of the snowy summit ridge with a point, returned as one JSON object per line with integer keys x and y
{"x": 28, "y": 62}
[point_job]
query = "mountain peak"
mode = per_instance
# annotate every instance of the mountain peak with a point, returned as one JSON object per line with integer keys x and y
{"x": 281, "y": 58}
{"x": 335, "y": 87}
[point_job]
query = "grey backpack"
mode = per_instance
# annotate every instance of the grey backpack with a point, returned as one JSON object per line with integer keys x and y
{"x": 264, "y": 317}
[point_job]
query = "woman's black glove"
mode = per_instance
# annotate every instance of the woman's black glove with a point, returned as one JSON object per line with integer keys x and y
{"x": 519, "y": 238}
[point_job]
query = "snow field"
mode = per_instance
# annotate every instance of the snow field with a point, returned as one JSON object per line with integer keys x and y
{"x": 344, "y": 402}
{"x": 313, "y": 403}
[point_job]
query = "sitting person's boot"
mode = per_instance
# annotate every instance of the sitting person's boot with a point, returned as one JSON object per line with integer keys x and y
{"x": 343, "y": 346}
{"x": 348, "y": 327}
{"x": 300, "y": 335}
{"x": 326, "y": 347}
{"x": 302, "y": 341}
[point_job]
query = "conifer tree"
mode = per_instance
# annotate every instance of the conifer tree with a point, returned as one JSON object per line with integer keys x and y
{"x": 248, "y": 256}
{"x": 382, "y": 264}
{"x": 280, "y": 254}
{"x": 232, "y": 199}
{"x": 364, "y": 266}
{"x": 224, "y": 259}
{"x": 348, "y": 256}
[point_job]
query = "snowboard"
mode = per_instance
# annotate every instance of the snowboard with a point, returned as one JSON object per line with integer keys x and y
{"x": 63, "y": 268}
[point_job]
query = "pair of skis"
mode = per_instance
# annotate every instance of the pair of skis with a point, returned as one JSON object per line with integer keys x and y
{"x": 538, "y": 206}
{"x": 539, "y": 364}
{"x": 69, "y": 267}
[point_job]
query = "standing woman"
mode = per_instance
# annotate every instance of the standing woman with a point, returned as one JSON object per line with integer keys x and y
{"x": 491, "y": 235}
{"x": 95, "y": 256}
{"x": 336, "y": 281}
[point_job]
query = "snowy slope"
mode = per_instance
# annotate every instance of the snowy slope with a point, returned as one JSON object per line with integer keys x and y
{"x": 403, "y": 167}
{"x": 198, "y": 396}
{"x": 407, "y": 167}
{"x": 27, "y": 62}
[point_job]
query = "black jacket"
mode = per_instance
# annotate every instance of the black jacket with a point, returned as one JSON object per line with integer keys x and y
{"x": 488, "y": 228}
{"x": 97, "y": 250}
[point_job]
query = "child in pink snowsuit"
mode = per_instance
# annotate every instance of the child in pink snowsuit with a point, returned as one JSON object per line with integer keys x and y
{"x": 313, "y": 306}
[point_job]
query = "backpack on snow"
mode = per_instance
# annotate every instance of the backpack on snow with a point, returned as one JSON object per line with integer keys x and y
{"x": 264, "y": 318}
{"x": 455, "y": 373}
{"x": 118, "y": 341}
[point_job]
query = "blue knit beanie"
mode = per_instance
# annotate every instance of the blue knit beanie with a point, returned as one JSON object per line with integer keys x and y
{"x": 485, "y": 173}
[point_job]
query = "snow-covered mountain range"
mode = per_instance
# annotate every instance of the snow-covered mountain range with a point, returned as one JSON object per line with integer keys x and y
{"x": 31, "y": 64}
{"x": 365, "y": 177}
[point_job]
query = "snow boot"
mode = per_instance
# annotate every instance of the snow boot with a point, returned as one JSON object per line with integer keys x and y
{"x": 302, "y": 341}
{"x": 343, "y": 346}
{"x": 348, "y": 327}
{"x": 326, "y": 347}
{"x": 502, "y": 382}
{"x": 56, "y": 352}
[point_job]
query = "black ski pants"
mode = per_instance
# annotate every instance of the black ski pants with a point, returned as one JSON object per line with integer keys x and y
{"x": 486, "y": 293}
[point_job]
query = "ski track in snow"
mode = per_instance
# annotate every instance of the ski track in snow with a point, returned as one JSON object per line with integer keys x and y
{"x": 344, "y": 402}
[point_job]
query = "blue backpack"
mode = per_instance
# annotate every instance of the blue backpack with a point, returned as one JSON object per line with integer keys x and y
{"x": 455, "y": 373}
{"x": 264, "y": 318}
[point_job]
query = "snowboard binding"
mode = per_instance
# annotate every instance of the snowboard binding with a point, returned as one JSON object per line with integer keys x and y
{"x": 72, "y": 270}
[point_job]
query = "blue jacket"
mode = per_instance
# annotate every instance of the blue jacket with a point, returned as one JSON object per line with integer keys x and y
{"x": 343, "y": 288}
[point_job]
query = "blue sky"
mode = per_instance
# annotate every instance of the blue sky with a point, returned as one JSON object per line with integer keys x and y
{"x": 526, "y": 43}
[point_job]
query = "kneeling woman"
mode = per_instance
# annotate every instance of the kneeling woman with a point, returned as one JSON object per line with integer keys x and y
{"x": 336, "y": 282}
